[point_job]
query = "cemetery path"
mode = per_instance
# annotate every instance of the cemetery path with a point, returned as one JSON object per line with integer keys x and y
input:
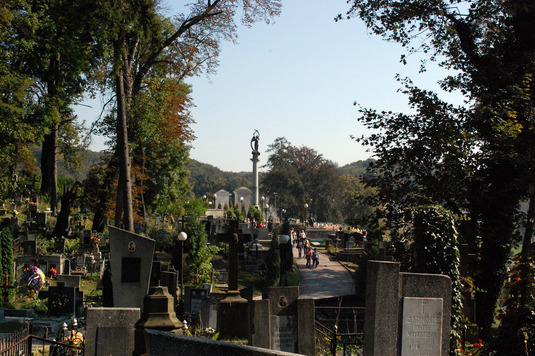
{"x": 329, "y": 279}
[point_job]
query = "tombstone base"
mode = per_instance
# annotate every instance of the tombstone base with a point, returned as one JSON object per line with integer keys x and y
{"x": 232, "y": 316}
{"x": 158, "y": 314}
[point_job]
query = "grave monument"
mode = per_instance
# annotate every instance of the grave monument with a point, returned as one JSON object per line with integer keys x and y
{"x": 406, "y": 313}
{"x": 131, "y": 265}
{"x": 232, "y": 311}
{"x": 282, "y": 321}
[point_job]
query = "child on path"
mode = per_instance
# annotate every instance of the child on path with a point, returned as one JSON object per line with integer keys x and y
{"x": 309, "y": 257}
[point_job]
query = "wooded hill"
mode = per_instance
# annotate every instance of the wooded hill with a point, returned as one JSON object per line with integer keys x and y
{"x": 205, "y": 178}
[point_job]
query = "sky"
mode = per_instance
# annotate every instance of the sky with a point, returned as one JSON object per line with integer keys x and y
{"x": 296, "y": 78}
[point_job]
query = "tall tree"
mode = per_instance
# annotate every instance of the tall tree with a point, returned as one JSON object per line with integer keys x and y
{"x": 489, "y": 44}
{"x": 50, "y": 42}
{"x": 145, "y": 44}
{"x": 299, "y": 176}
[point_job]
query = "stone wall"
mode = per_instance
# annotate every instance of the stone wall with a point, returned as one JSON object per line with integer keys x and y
{"x": 160, "y": 343}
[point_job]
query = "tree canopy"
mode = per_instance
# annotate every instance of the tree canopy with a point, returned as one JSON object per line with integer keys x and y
{"x": 476, "y": 159}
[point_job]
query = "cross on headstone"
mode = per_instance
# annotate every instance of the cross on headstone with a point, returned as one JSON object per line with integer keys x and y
{"x": 234, "y": 239}
{"x": 5, "y": 290}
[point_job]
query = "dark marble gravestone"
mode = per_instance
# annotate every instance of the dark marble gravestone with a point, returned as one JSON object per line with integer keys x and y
{"x": 62, "y": 300}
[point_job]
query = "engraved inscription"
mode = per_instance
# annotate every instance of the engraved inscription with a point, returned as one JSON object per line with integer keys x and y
{"x": 284, "y": 333}
{"x": 422, "y": 327}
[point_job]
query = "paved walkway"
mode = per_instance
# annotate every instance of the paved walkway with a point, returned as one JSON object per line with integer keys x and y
{"x": 330, "y": 279}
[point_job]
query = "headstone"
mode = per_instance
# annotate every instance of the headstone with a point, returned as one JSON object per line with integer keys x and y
{"x": 222, "y": 197}
{"x": 155, "y": 274}
{"x": 29, "y": 247}
{"x": 85, "y": 238}
{"x": 62, "y": 300}
{"x": 67, "y": 267}
{"x": 232, "y": 310}
{"x": 32, "y": 236}
{"x": 283, "y": 318}
{"x": 131, "y": 264}
{"x": 59, "y": 245}
{"x": 244, "y": 193}
{"x": 40, "y": 219}
{"x": 283, "y": 322}
{"x": 406, "y": 313}
{"x": 70, "y": 281}
{"x": 422, "y": 326}
{"x": 197, "y": 295}
{"x": 80, "y": 261}
{"x": 102, "y": 323}
{"x": 169, "y": 279}
{"x": 209, "y": 315}
{"x": 350, "y": 243}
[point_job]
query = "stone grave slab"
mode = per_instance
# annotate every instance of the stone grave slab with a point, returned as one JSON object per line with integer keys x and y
{"x": 29, "y": 247}
{"x": 70, "y": 280}
{"x": 421, "y": 326}
{"x": 59, "y": 245}
{"x": 104, "y": 322}
{"x": 62, "y": 300}
{"x": 40, "y": 219}
{"x": 284, "y": 333}
{"x": 111, "y": 341}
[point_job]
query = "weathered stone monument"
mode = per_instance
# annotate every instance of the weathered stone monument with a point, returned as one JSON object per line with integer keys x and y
{"x": 158, "y": 314}
{"x": 222, "y": 197}
{"x": 283, "y": 321}
{"x": 246, "y": 194}
{"x": 110, "y": 331}
{"x": 131, "y": 264}
{"x": 232, "y": 311}
{"x": 406, "y": 313}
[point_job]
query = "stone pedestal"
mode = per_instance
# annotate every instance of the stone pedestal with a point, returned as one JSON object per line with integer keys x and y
{"x": 159, "y": 314}
{"x": 232, "y": 316}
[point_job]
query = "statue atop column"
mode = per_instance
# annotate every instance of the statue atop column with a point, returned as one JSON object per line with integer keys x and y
{"x": 254, "y": 143}
{"x": 256, "y": 153}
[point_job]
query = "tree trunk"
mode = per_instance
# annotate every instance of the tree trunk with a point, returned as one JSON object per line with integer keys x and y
{"x": 125, "y": 178}
{"x": 49, "y": 169}
{"x": 67, "y": 199}
{"x": 101, "y": 205}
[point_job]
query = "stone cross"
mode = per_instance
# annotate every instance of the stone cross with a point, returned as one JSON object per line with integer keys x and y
{"x": 234, "y": 239}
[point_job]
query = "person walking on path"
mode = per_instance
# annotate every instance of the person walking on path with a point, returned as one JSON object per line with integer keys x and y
{"x": 329, "y": 279}
{"x": 307, "y": 245}
{"x": 315, "y": 258}
{"x": 300, "y": 247}
{"x": 308, "y": 257}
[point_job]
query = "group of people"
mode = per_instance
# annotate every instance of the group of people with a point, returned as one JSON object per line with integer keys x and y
{"x": 302, "y": 243}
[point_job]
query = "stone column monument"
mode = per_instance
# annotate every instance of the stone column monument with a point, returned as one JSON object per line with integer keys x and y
{"x": 256, "y": 153}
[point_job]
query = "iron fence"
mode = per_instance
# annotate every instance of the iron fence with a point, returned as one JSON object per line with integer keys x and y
{"x": 338, "y": 327}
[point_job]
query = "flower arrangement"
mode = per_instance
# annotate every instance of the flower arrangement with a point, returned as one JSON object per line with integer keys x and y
{"x": 95, "y": 240}
{"x": 75, "y": 339}
{"x": 34, "y": 278}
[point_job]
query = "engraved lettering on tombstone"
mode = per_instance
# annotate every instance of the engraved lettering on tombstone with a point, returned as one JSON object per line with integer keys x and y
{"x": 422, "y": 326}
